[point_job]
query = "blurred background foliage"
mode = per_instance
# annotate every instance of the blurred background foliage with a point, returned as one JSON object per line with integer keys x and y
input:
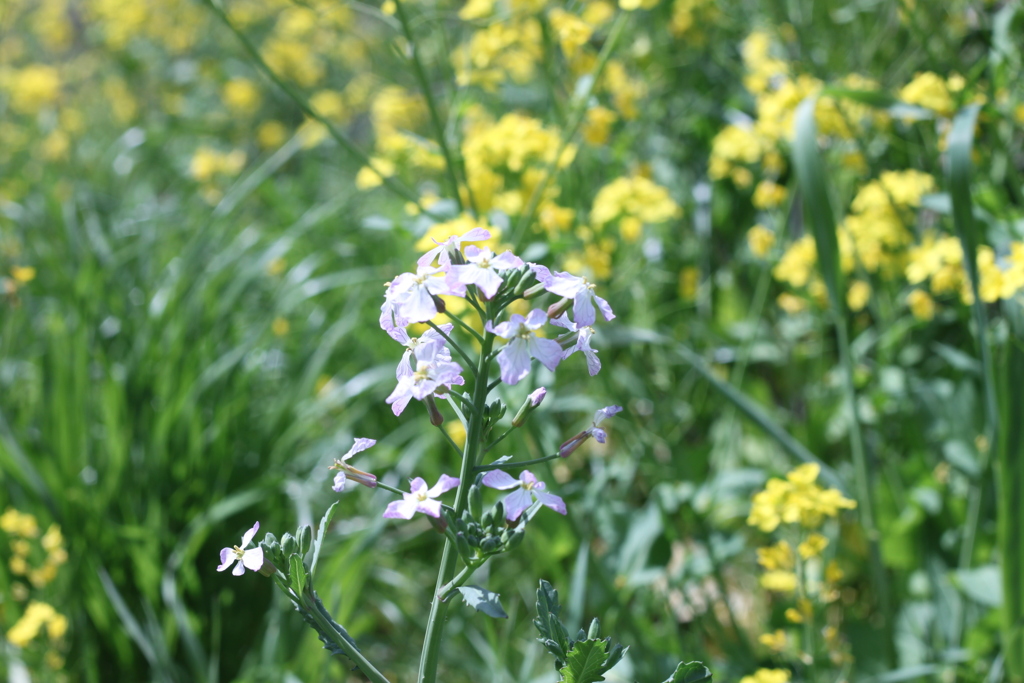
{"x": 200, "y": 202}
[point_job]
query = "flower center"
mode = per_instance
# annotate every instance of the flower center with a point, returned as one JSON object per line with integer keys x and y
{"x": 528, "y": 485}
{"x": 238, "y": 552}
{"x": 422, "y": 495}
{"x": 422, "y": 372}
{"x": 524, "y": 332}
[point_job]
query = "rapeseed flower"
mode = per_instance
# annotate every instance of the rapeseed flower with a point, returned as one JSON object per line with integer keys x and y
{"x": 797, "y": 499}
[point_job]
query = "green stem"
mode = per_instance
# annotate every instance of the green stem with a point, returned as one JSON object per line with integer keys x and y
{"x": 458, "y": 321}
{"x": 474, "y": 434}
{"x": 449, "y": 438}
{"x": 499, "y": 439}
{"x": 459, "y": 580}
{"x": 306, "y": 109}
{"x": 355, "y": 655}
{"x": 435, "y": 116}
{"x": 575, "y": 120}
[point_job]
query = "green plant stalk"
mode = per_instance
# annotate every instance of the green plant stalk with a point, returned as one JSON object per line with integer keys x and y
{"x": 1010, "y": 487}
{"x": 355, "y": 655}
{"x": 575, "y": 120}
{"x": 474, "y": 435}
{"x": 346, "y": 144}
{"x": 435, "y": 117}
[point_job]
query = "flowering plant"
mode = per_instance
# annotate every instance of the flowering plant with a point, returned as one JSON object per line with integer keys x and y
{"x": 439, "y": 365}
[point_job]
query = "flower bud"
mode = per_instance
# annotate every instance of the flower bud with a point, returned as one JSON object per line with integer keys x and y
{"x": 457, "y": 257}
{"x": 476, "y": 502}
{"x": 534, "y": 291}
{"x": 516, "y": 537}
{"x": 439, "y": 523}
{"x": 566, "y": 449}
{"x": 436, "y": 418}
{"x": 556, "y": 309}
{"x": 531, "y": 403}
{"x": 439, "y": 303}
{"x": 595, "y": 629}
{"x": 462, "y": 545}
{"x": 267, "y": 568}
{"x": 305, "y": 538}
{"x": 288, "y": 544}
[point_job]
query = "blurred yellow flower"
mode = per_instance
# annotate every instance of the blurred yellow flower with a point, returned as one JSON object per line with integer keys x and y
{"x": 773, "y": 641}
{"x": 36, "y": 616}
{"x": 271, "y": 134}
{"x": 369, "y": 178}
{"x": 23, "y": 274}
{"x": 760, "y": 240}
{"x": 797, "y": 263}
{"x": 858, "y": 295}
{"x": 776, "y": 557}
{"x": 19, "y": 523}
{"x": 797, "y": 499}
{"x": 928, "y": 90}
{"x": 812, "y": 546}
{"x": 768, "y": 194}
{"x": 767, "y": 676}
{"x": 31, "y": 88}
{"x": 921, "y": 305}
{"x": 779, "y": 581}
{"x": 241, "y": 96}
{"x": 280, "y": 327}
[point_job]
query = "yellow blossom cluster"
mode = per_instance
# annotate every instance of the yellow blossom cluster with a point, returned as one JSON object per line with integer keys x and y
{"x": 768, "y": 676}
{"x": 37, "y": 616}
{"x": 633, "y": 201}
{"x": 938, "y": 260}
{"x": 797, "y": 499}
{"x": 503, "y": 51}
{"x": 23, "y": 529}
{"x": 929, "y": 90}
{"x": 688, "y": 15}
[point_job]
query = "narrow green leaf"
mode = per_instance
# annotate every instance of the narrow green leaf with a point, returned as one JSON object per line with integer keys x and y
{"x": 878, "y": 99}
{"x": 586, "y": 662}
{"x": 324, "y": 523}
{"x": 297, "y": 574}
{"x": 1010, "y": 502}
{"x": 810, "y": 172}
{"x": 483, "y": 600}
{"x": 692, "y": 672}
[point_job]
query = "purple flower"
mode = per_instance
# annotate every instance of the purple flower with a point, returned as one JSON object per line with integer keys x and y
{"x": 411, "y": 295}
{"x": 514, "y": 357}
{"x": 432, "y": 374}
{"x": 412, "y": 343}
{"x": 421, "y": 499}
{"x": 482, "y": 269}
{"x": 583, "y": 335}
{"x": 346, "y": 471}
{"x": 251, "y": 559}
{"x": 529, "y": 489}
{"x": 576, "y": 288}
{"x": 443, "y": 251}
{"x": 535, "y": 398}
{"x": 593, "y": 431}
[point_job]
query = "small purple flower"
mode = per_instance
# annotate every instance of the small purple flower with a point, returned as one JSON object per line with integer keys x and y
{"x": 583, "y": 335}
{"x": 576, "y": 288}
{"x": 432, "y": 375}
{"x": 251, "y": 559}
{"x": 421, "y": 499}
{"x": 529, "y": 489}
{"x": 535, "y": 398}
{"x": 443, "y": 251}
{"x": 412, "y": 343}
{"x": 482, "y": 269}
{"x": 514, "y": 357}
{"x": 412, "y": 294}
{"x": 346, "y": 471}
{"x": 593, "y": 431}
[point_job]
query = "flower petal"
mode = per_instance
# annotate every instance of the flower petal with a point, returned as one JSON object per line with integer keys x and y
{"x": 499, "y": 479}
{"x": 445, "y": 483}
{"x": 360, "y": 445}
{"x": 551, "y": 500}
{"x": 429, "y": 507}
{"x": 239, "y": 569}
{"x": 547, "y": 351}
{"x": 514, "y": 361}
{"x": 516, "y": 502}
{"x": 401, "y": 509}
{"x": 253, "y": 559}
{"x": 247, "y": 536}
{"x": 339, "y": 482}
{"x": 227, "y": 556}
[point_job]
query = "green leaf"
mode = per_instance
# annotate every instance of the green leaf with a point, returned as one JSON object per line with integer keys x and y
{"x": 483, "y": 600}
{"x": 324, "y": 523}
{"x": 810, "y": 173}
{"x": 297, "y": 574}
{"x": 692, "y": 672}
{"x": 586, "y": 662}
{"x": 553, "y": 634}
{"x": 873, "y": 98}
{"x": 1010, "y": 502}
{"x": 983, "y": 585}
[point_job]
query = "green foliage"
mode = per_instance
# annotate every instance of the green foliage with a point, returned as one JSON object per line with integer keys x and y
{"x": 483, "y": 600}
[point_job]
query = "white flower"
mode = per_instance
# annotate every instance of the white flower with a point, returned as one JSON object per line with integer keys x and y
{"x": 583, "y": 335}
{"x": 443, "y": 251}
{"x": 576, "y": 288}
{"x": 251, "y": 559}
{"x": 411, "y": 295}
{"x": 482, "y": 269}
{"x": 514, "y": 357}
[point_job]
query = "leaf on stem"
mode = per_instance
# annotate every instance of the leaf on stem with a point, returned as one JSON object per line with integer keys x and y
{"x": 483, "y": 600}
{"x": 692, "y": 672}
{"x": 324, "y": 523}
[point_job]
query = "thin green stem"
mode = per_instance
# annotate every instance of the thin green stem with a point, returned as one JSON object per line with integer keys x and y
{"x": 352, "y": 653}
{"x": 459, "y": 580}
{"x": 384, "y": 486}
{"x": 449, "y": 438}
{"x": 474, "y": 434}
{"x": 499, "y": 439}
{"x": 458, "y": 321}
{"x": 576, "y": 116}
{"x": 435, "y": 116}
{"x": 306, "y": 109}
{"x": 513, "y": 465}
{"x": 454, "y": 345}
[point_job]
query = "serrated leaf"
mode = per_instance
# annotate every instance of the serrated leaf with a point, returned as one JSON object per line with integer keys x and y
{"x": 324, "y": 523}
{"x": 483, "y": 600}
{"x": 691, "y": 672}
{"x": 552, "y": 632}
{"x": 586, "y": 662}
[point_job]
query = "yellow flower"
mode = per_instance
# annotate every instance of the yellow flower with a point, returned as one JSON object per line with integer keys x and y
{"x": 36, "y": 616}
{"x": 775, "y": 557}
{"x": 369, "y": 178}
{"x": 598, "y": 125}
{"x": 689, "y": 282}
{"x": 797, "y": 263}
{"x": 833, "y": 574}
{"x": 271, "y": 134}
{"x": 928, "y": 90}
{"x": 19, "y": 523}
{"x": 23, "y": 274}
{"x": 767, "y": 676}
{"x": 813, "y": 546}
{"x": 241, "y": 96}
{"x": 791, "y": 304}
{"x": 573, "y": 33}
{"x": 476, "y": 9}
{"x": 439, "y": 232}
{"x": 779, "y": 581}
{"x": 637, "y": 198}
{"x": 858, "y": 295}
{"x": 630, "y": 5}
{"x": 760, "y": 240}
{"x": 32, "y": 88}
{"x": 768, "y": 195}
{"x": 280, "y": 327}
{"x": 773, "y": 641}
{"x": 796, "y": 499}
{"x": 921, "y": 305}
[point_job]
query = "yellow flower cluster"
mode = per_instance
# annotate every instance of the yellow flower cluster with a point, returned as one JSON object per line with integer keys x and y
{"x": 37, "y": 616}
{"x": 633, "y": 201}
{"x": 768, "y": 676}
{"x": 31, "y": 88}
{"x": 503, "y": 51}
{"x": 797, "y": 499}
{"x": 929, "y": 90}
{"x": 938, "y": 260}
{"x": 688, "y": 15}
{"x": 23, "y": 527}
